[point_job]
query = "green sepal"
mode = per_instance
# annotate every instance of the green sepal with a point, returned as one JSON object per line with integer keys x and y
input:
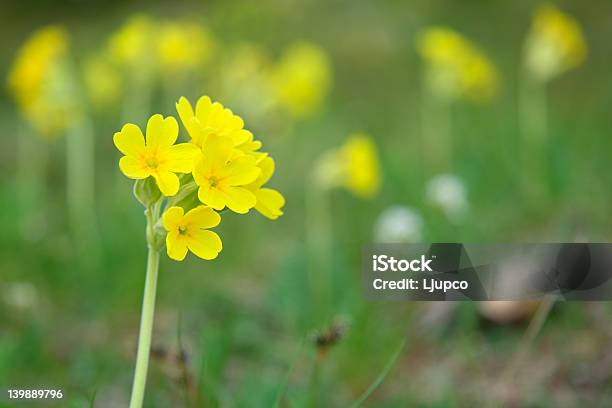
{"x": 147, "y": 192}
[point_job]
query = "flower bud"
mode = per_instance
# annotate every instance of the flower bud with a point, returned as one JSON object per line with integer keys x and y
{"x": 146, "y": 191}
{"x": 187, "y": 197}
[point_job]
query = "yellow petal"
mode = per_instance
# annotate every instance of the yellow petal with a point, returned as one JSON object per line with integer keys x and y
{"x": 172, "y": 218}
{"x": 179, "y": 158}
{"x": 203, "y": 108}
{"x": 185, "y": 112}
{"x": 212, "y": 197}
{"x": 167, "y": 182}
{"x": 134, "y": 168}
{"x": 130, "y": 140}
{"x": 239, "y": 199}
{"x": 176, "y": 246}
{"x": 239, "y": 136}
{"x": 202, "y": 217}
{"x": 205, "y": 244}
{"x": 267, "y": 170}
{"x": 269, "y": 203}
{"x": 161, "y": 133}
{"x": 241, "y": 171}
{"x": 218, "y": 150}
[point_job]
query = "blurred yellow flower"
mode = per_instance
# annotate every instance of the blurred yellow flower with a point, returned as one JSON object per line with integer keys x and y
{"x": 132, "y": 44}
{"x": 159, "y": 156}
{"x": 355, "y": 166}
{"x": 269, "y": 201}
{"x": 102, "y": 80}
{"x": 183, "y": 46}
{"x": 211, "y": 119}
{"x": 222, "y": 177}
{"x": 36, "y": 80}
{"x": 455, "y": 68}
{"x": 190, "y": 232}
{"x": 302, "y": 79}
{"x": 554, "y": 45}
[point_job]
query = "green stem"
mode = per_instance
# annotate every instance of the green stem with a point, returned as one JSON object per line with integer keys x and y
{"x": 80, "y": 179}
{"x": 319, "y": 245}
{"x": 533, "y": 122}
{"x": 381, "y": 377}
{"x": 437, "y": 140}
{"x": 146, "y": 319}
{"x": 32, "y": 158}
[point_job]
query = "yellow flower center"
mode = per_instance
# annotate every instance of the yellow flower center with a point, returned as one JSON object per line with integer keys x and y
{"x": 182, "y": 230}
{"x": 214, "y": 181}
{"x": 152, "y": 162}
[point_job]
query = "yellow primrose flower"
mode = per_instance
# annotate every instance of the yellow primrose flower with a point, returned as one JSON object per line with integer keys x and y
{"x": 211, "y": 119}
{"x": 222, "y": 176}
{"x": 159, "y": 156}
{"x": 554, "y": 45}
{"x": 132, "y": 44}
{"x": 35, "y": 75}
{"x": 190, "y": 232}
{"x": 302, "y": 78}
{"x": 354, "y": 165}
{"x": 183, "y": 46}
{"x": 269, "y": 201}
{"x": 455, "y": 67}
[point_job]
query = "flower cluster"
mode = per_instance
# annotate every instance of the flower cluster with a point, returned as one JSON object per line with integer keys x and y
{"x": 221, "y": 167}
{"x": 354, "y": 166}
{"x": 455, "y": 67}
{"x": 37, "y": 82}
{"x": 554, "y": 45}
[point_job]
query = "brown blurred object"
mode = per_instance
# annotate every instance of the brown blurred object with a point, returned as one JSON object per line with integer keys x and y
{"x": 507, "y": 311}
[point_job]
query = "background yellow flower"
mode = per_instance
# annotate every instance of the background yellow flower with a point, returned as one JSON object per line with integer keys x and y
{"x": 555, "y": 43}
{"x": 355, "y": 166}
{"x": 456, "y": 68}
{"x": 302, "y": 78}
{"x": 39, "y": 82}
{"x": 183, "y": 46}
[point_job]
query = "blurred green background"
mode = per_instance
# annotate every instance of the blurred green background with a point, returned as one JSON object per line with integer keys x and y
{"x": 242, "y": 330}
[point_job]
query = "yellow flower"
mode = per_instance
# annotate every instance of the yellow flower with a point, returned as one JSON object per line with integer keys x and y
{"x": 354, "y": 165}
{"x": 132, "y": 44}
{"x": 159, "y": 156}
{"x": 455, "y": 67}
{"x": 302, "y": 79}
{"x": 190, "y": 232}
{"x": 211, "y": 119}
{"x": 222, "y": 176}
{"x": 269, "y": 201}
{"x": 554, "y": 45}
{"x": 36, "y": 81}
{"x": 183, "y": 46}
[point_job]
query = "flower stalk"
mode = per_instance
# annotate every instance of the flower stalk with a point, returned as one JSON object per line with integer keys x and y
{"x": 148, "y": 311}
{"x": 533, "y": 111}
{"x": 80, "y": 180}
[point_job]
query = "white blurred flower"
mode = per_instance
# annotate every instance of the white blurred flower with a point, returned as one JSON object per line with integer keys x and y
{"x": 20, "y": 295}
{"x": 399, "y": 224}
{"x": 448, "y": 192}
